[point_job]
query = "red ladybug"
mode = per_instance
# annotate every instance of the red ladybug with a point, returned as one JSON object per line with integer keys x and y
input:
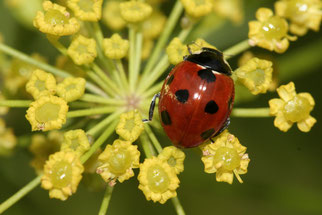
{"x": 196, "y": 98}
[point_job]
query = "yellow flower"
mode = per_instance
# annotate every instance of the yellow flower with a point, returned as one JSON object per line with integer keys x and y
{"x": 75, "y": 140}
{"x": 176, "y": 51}
{"x": 304, "y": 14}
{"x": 174, "y": 157}
{"x": 130, "y": 125}
{"x": 82, "y": 50}
{"x": 115, "y": 47}
{"x": 197, "y": 45}
{"x": 158, "y": 180}
{"x": 71, "y": 88}
{"x": 135, "y": 11}
{"x": 47, "y": 113}
{"x": 197, "y": 8}
{"x": 256, "y": 75}
{"x": 118, "y": 160}
{"x": 41, "y": 84}
{"x": 42, "y": 146}
{"x": 292, "y": 108}
{"x": 56, "y": 20}
{"x": 154, "y": 25}
{"x": 86, "y": 10}
{"x": 225, "y": 157}
{"x": 7, "y": 139}
{"x": 62, "y": 174}
{"x": 269, "y": 32}
{"x": 112, "y": 15}
{"x": 230, "y": 9}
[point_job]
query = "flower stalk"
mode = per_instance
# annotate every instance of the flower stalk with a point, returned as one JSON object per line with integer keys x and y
{"x": 250, "y": 112}
{"x": 106, "y": 200}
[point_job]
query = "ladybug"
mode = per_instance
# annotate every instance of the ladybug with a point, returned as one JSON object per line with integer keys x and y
{"x": 196, "y": 98}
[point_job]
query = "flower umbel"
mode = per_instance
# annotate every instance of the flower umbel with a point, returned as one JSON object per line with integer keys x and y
{"x": 292, "y": 108}
{"x": 225, "y": 157}
{"x": 56, "y": 20}
{"x": 256, "y": 75}
{"x": 62, "y": 174}
{"x": 112, "y": 15}
{"x": 158, "y": 180}
{"x": 303, "y": 14}
{"x": 47, "y": 113}
{"x": 269, "y": 32}
{"x": 174, "y": 157}
{"x": 118, "y": 160}
{"x": 176, "y": 51}
{"x": 82, "y": 50}
{"x": 197, "y": 8}
{"x": 130, "y": 125}
{"x": 135, "y": 11}
{"x": 71, "y": 88}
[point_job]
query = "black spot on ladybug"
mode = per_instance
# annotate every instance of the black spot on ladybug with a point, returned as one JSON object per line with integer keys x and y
{"x": 206, "y": 134}
{"x": 207, "y": 75}
{"x": 170, "y": 80}
{"x": 182, "y": 95}
{"x": 165, "y": 117}
{"x": 211, "y": 107}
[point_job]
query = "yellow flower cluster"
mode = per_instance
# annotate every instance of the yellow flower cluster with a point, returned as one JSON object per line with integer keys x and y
{"x": 292, "y": 108}
{"x": 49, "y": 112}
{"x": 225, "y": 157}
{"x": 130, "y": 125}
{"x": 115, "y": 47}
{"x": 75, "y": 140}
{"x": 82, "y": 50}
{"x": 86, "y": 10}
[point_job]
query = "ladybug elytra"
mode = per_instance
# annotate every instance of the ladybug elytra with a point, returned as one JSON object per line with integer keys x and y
{"x": 196, "y": 98}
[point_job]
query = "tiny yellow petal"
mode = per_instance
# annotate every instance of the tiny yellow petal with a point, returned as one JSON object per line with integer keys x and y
{"x": 41, "y": 84}
{"x": 306, "y": 124}
{"x": 71, "y": 88}
{"x": 47, "y": 113}
{"x": 135, "y": 11}
{"x": 130, "y": 125}
{"x": 56, "y": 20}
{"x": 82, "y": 50}
{"x": 62, "y": 174}
{"x": 115, "y": 47}
{"x": 86, "y": 10}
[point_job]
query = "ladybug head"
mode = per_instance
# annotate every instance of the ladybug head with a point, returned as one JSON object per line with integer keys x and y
{"x": 210, "y": 58}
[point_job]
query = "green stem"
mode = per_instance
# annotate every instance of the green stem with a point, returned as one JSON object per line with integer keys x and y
{"x": 20, "y": 194}
{"x": 153, "y": 90}
{"x": 177, "y": 205}
{"x": 55, "y": 42}
{"x": 105, "y": 78}
{"x": 119, "y": 67}
{"x": 91, "y": 111}
{"x": 98, "y": 127}
{"x": 236, "y": 49}
{"x": 146, "y": 145}
{"x": 132, "y": 58}
{"x": 153, "y": 138}
{"x": 100, "y": 83}
{"x": 106, "y": 200}
{"x": 25, "y": 58}
{"x": 109, "y": 130}
{"x": 137, "y": 62}
{"x": 250, "y": 112}
{"x": 154, "y": 75}
{"x": 100, "y": 100}
{"x": 15, "y": 103}
{"x": 164, "y": 37}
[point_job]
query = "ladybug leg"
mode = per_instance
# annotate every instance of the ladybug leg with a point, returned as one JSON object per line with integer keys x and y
{"x": 152, "y": 106}
{"x": 224, "y": 127}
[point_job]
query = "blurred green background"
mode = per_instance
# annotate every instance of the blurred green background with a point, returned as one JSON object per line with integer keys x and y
{"x": 284, "y": 173}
